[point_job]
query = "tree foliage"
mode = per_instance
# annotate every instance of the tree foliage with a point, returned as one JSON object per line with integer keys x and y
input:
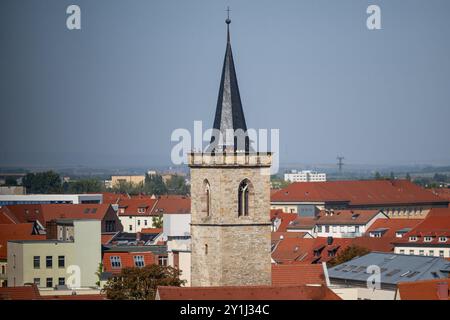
{"x": 154, "y": 184}
{"x": 348, "y": 254}
{"x": 141, "y": 283}
{"x": 42, "y": 182}
{"x": 83, "y": 186}
{"x": 177, "y": 185}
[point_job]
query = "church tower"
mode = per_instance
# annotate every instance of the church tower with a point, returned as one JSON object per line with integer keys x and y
{"x": 230, "y": 206}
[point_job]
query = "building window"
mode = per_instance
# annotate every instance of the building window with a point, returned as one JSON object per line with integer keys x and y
{"x": 115, "y": 262}
{"x": 327, "y": 229}
{"x": 49, "y": 282}
{"x": 130, "y": 227}
{"x": 49, "y": 262}
{"x": 441, "y": 253}
{"x": 421, "y": 252}
{"x": 207, "y": 197}
{"x": 139, "y": 222}
{"x": 61, "y": 281}
{"x": 442, "y": 239}
{"x": 243, "y": 198}
{"x": 61, "y": 262}
{"x": 412, "y": 238}
{"x": 139, "y": 261}
{"x": 37, "y": 262}
{"x": 402, "y": 251}
{"x": 431, "y": 253}
{"x": 145, "y": 222}
{"x": 37, "y": 281}
{"x": 141, "y": 210}
{"x": 162, "y": 260}
{"x": 428, "y": 239}
{"x": 110, "y": 226}
{"x": 206, "y": 249}
{"x": 411, "y": 252}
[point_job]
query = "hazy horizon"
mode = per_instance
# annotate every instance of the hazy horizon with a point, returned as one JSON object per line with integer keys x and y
{"x": 111, "y": 93}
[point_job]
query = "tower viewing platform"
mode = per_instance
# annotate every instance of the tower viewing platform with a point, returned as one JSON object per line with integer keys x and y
{"x": 230, "y": 159}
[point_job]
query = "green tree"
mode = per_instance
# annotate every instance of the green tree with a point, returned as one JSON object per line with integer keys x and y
{"x": 98, "y": 273}
{"x": 154, "y": 184}
{"x": 128, "y": 187}
{"x": 157, "y": 221}
{"x": 378, "y": 176}
{"x": 42, "y": 182}
{"x": 177, "y": 185}
{"x": 141, "y": 283}
{"x": 84, "y": 186}
{"x": 348, "y": 254}
{"x": 11, "y": 182}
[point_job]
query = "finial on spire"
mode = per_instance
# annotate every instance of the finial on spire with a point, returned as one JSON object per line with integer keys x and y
{"x": 228, "y": 21}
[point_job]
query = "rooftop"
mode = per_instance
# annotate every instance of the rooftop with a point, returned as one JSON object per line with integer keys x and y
{"x": 357, "y": 192}
{"x": 247, "y": 293}
{"x": 394, "y": 268}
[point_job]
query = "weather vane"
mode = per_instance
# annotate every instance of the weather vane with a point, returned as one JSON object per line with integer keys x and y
{"x": 228, "y": 21}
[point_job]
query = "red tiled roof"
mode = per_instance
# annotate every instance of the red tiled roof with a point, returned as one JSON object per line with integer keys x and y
{"x": 21, "y": 231}
{"x": 286, "y": 219}
{"x": 436, "y": 289}
{"x": 152, "y": 230}
{"x": 392, "y": 226}
{"x": 279, "y": 235}
{"x": 247, "y": 293}
{"x": 6, "y": 216}
{"x": 113, "y": 198}
{"x": 20, "y": 293}
{"x": 297, "y": 274}
{"x": 172, "y": 204}
{"x": 293, "y": 249}
{"x": 47, "y": 212}
{"x": 436, "y": 224}
{"x": 133, "y": 206}
{"x": 347, "y": 217}
{"x": 106, "y": 237}
{"x": 127, "y": 260}
{"x": 443, "y": 193}
{"x": 316, "y": 250}
{"x": 357, "y": 192}
{"x": 75, "y": 297}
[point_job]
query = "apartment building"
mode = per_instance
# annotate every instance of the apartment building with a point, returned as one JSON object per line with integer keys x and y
{"x": 63, "y": 262}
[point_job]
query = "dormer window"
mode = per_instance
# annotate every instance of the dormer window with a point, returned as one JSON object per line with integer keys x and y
{"x": 141, "y": 210}
{"x": 428, "y": 239}
{"x": 122, "y": 210}
{"x": 413, "y": 238}
{"x": 442, "y": 239}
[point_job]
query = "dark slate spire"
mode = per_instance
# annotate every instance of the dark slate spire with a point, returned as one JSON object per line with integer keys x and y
{"x": 229, "y": 113}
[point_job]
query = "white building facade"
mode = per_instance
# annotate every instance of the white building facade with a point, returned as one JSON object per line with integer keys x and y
{"x": 305, "y": 176}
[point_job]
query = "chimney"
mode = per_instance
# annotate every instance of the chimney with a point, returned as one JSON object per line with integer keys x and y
{"x": 329, "y": 241}
{"x": 442, "y": 290}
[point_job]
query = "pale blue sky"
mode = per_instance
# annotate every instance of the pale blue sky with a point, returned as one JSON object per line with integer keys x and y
{"x": 112, "y": 93}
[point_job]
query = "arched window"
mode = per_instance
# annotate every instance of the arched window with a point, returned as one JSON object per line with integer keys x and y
{"x": 244, "y": 193}
{"x": 207, "y": 197}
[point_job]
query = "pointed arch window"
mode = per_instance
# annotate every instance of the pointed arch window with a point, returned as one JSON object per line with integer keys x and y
{"x": 244, "y": 194}
{"x": 207, "y": 197}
